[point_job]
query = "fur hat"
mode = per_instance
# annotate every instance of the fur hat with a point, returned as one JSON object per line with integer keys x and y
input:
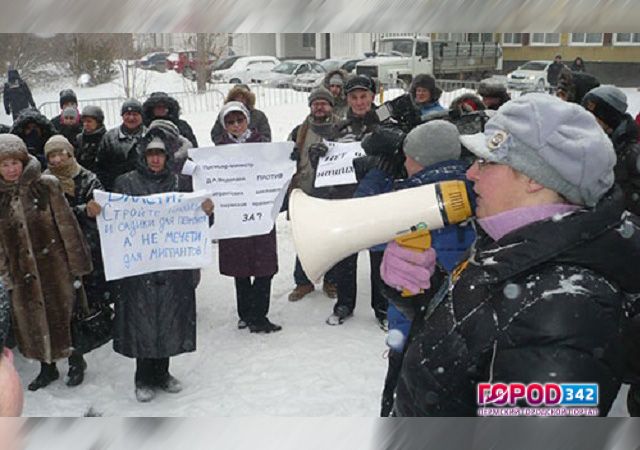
{"x": 426, "y": 82}
{"x": 321, "y": 94}
{"x": 241, "y": 93}
{"x": 433, "y": 142}
{"x": 11, "y": 146}
{"x": 57, "y": 142}
{"x": 575, "y": 84}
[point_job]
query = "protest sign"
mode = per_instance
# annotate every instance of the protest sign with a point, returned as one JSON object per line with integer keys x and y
{"x": 247, "y": 182}
{"x": 152, "y": 233}
{"x": 336, "y": 167}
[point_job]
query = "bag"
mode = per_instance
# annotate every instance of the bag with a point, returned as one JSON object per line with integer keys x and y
{"x": 91, "y": 329}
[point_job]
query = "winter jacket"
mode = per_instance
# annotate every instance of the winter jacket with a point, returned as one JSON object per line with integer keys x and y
{"x": 553, "y": 72}
{"x": 305, "y": 135}
{"x": 575, "y": 67}
{"x": 86, "y": 182}
{"x": 17, "y": 96}
{"x": 340, "y": 106}
{"x": 117, "y": 154}
{"x": 626, "y": 170}
{"x": 253, "y": 256}
{"x": 87, "y": 147}
{"x": 173, "y": 115}
{"x": 543, "y": 304}
{"x": 258, "y": 122}
{"x": 42, "y": 251}
{"x": 450, "y": 242}
{"x": 35, "y": 143}
{"x": 155, "y": 313}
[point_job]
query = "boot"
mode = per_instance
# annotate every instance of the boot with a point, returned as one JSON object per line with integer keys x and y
{"x": 145, "y": 393}
{"x": 300, "y": 291}
{"x": 264, "y": 326}
{"x": 77, "y": 366}
{"x": 330, "y": 289}
{"x": 171, "y": 385}
{"x": 48, "y": 374}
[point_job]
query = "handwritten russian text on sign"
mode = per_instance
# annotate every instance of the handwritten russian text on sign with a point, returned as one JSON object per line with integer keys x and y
{"x": 336, "y": 168}
{"x": 248, "y": 183}
{"x": 157, "y": 232}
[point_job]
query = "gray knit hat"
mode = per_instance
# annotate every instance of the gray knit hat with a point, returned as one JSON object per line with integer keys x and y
{"x": 612, "y": 96}
{"x": 558, "y": 144}
{"x": 321, "y": 94}
{"x": 11, "y": 146}
{"x": 433, "y": 142}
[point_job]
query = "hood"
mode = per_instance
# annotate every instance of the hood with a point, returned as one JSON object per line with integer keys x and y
{"x": 33, "y": 115}
{"x": 605, "y": 239}
{"x": 13, "y": 75}
{"x": 142, "y": 147}
{"x": 341, "y": 73}
{"x": 160, "y": 98}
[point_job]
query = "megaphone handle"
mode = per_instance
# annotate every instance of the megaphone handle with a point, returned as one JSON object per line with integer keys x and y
{"x": 418, "y": 241}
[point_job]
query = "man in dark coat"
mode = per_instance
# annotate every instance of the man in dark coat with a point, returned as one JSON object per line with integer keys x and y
{"x": 609, "y": 105}
{"x": 17, "y": 95}
{"x": 35, "y": 130}
{"x": 155, "y": 313}
{"x": 160, "y": 105}
{"x": 118, "y": 153}
{"x": 554, "y": 71}
{"x": 539, "y": 298}
{"x": 88, "y": 141}
{"x": 257, "y": 119}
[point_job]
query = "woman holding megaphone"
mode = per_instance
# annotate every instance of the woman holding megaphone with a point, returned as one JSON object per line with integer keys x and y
{"x": 540, "y": 297}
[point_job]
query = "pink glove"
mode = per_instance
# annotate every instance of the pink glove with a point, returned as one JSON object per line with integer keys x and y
{"x": 402, "y": 268}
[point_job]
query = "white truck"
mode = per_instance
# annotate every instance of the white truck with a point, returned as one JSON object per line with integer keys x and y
{"x": 398, "y": 59}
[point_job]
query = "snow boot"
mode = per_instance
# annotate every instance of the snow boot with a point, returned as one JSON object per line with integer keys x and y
{"x": 77, "y": 366}
{"x": 330, "y": 289}
{"x": 300, "y": 291}
{"x": 264, "y": 326}
{"x": 242, "y": 324}
{"x": 145, "y": 393}
{"x": 633, "y": 400}
{"x": 340, "y": 314}
{"x": 383, "y": 323}
{"x": 48, "y": 374}
{"x": 171, "y": 385}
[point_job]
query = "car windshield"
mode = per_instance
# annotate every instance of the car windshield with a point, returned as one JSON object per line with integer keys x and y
{"x": 404, "y": 46}
{"x": 285, "y": 67}
{"x": 225, "y": 63}
{"x": 532, "y": 65}
{"x": 330, "y": 64}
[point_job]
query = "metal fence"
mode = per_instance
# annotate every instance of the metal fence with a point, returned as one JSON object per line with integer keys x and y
{"x": 212, "y": 100}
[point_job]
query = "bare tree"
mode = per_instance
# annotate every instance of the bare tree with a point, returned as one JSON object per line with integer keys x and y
{"x": 134, "y": 81}
{"x": 24, "y": 52}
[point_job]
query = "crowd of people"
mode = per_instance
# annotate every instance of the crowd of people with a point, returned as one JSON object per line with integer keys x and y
{"x": 538, "y": 286}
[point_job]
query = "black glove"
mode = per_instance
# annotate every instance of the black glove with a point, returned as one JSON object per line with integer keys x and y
{"x": 316, "y": 151}
{"x": 393, "y": 165}
{"x": 295, "y": 154}
{"x": 383, "y": 141}
{"x": 364, "y": 164}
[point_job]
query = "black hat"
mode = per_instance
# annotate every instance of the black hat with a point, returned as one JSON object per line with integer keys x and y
{"x": 66, "y": 96}
{"x": 93, "y": 111}
{"x": 359, "y": 82}
{"x": 131, "y": 105}
{"x": 321, "y": 94}
{"x": 5, "y": 316}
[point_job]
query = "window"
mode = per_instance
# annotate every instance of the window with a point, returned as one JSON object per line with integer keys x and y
{"x": 512, "y": 39}
{"x": 422, "y": 49}
{"x": 545, "y": 39}
{"x": 308, "y": 40}
{"x": 626, "y": 39}
{"x": 479, "y": 37}
{"x": 586, "y": 38}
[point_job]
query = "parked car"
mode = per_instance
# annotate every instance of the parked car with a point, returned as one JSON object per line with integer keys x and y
{"x": 241, "y": 69}
{"x": 310, "y": 81}
{"x": 283, "y": 74}
{"x": 153, "y": 61}
{"x": 531, "y": 75}
{"x": 172, "y": 61}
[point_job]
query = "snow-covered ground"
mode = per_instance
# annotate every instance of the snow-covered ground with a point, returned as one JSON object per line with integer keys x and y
{"x": 308, "y": 369}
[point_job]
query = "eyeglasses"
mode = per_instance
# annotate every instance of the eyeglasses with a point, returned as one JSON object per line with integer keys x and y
{"x": 238, "y": 121}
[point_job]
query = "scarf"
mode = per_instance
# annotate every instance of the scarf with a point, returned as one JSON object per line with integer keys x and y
{"x": 66, "y": 172}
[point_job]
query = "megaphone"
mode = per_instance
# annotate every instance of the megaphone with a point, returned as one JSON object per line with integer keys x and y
{"x": 327, "y": 231}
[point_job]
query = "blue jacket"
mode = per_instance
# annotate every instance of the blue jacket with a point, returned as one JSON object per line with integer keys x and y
{"x": 428, "y": 108}
{"x": 450, "y": 243}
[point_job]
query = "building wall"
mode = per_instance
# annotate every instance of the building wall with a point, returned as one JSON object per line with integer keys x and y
{"x": 350, "y": 44}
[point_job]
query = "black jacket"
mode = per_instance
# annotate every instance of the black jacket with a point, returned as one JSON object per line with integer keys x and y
{"x": 257, "y": 121}
{"x": 543, "y": 304}
{"x": 17, "y": 97}
{"x": 117, "y": 154}
{"x": 173, "y": 114}
{"x": 627, "y": 171}
{"x": 155, "y": 312}
{"x": 87, "y": 147}
{"x": 553, "y": 72}
{"x": 35, "y": 144}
